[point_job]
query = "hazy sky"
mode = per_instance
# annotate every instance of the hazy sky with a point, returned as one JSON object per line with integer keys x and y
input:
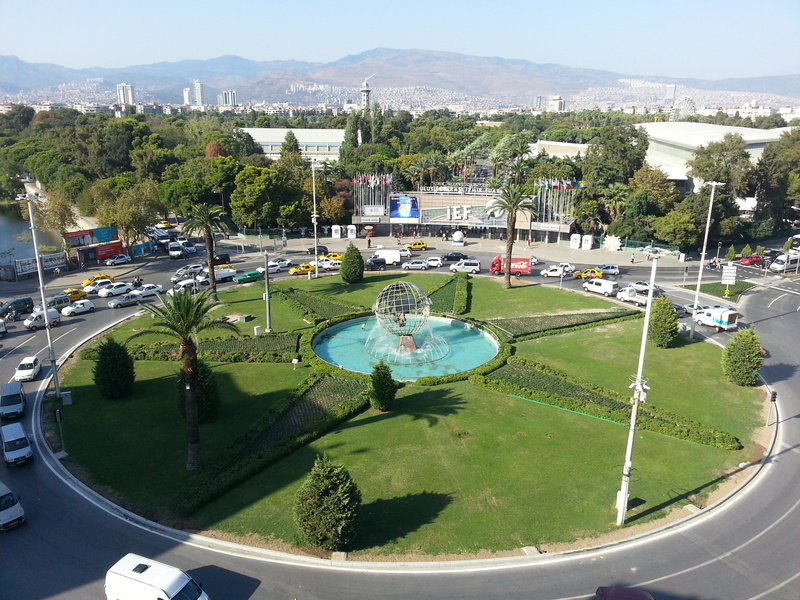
{"x": 710, "y": 39}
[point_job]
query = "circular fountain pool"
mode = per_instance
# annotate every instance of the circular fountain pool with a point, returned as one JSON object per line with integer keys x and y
{"x": 443, "y": 346}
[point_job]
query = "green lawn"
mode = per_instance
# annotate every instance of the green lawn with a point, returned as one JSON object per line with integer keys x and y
{"x": 456, "y": 468}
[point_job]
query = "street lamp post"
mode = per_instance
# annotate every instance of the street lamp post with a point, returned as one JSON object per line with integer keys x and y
{"x": 52, "y": 355}
{"x": 713, "y": 185}
{"x": 719, "y": 247}
{"x": 640, "y": 388}
{"x": 314, "y": 216}
{"x": 266, "y": 292}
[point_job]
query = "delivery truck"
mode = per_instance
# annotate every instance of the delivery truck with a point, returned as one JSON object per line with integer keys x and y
{"x": 519, "y": 266}
{"x": 135, "y": 577}
{"x": 724, "y": 319}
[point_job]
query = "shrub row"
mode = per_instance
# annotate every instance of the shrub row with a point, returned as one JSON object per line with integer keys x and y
{"x": 229, "y": 470}
{"x": 599, "y": 402}
{"x": 462, "y": 298}
{"x": 627, "y": 315}
{"x": 519, "y": 326}
{"x": 320, "y": 305}
{"x": 442, "y": 297}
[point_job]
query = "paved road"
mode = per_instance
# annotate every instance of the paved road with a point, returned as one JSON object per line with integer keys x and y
{"x": 745, "y": 549}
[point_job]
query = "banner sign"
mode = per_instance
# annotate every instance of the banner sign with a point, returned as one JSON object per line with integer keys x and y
{"x": 49, "y": 262}
{"x": 403, "y": 209}
{"x": 87, "y": 237}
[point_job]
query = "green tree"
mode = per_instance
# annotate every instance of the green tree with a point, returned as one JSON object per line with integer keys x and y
{"x": 511, "y": 202}
{"x": 205, "y": 220}
{"x": 676, "y": 227}
{"x": 327, "y": 507}
{"x": 656, "y": 187}
{"x": 747, "y": 250}
{"x": 208, "y": 399}
{"x": 183, "y": 317}
{"x": 131, "y": 211}
{"x": 383, "y": 388}
{"x": 614, "y": 156}
{"x": 352, "y": 269}
{"x": 377, "y": 124}
{"x": 663, "y": 331}
{"x": 257, "y": 196}
{"x": 614, "y": 198}
{"x": 114, "y": 372}
{"x": 730, "y": 255}
{"x": 726, "y": 161}
{"x": 290, "y": 145}
{"x": 56, "y": 213}
{"x": 742, "y": 358}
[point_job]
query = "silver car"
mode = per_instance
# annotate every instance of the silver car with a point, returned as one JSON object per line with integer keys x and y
{"x": 416, "y": 264}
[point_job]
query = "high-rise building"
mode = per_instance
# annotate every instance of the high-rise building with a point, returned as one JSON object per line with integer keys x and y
{"x": 187, "y": 96}
{"x": 227, "y": 98}
{"x": 198, "y": 93}
{"x": 125, "y": 94}
{"x": 555, "y": 104}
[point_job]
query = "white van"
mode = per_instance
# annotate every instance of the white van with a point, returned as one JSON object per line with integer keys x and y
{"x": 12, "y": 400}
{"x": 16, "y": 447}
{"x": 135, "y": 577}
{"x": 187, "y": 285}
{"x": 36, "y": 319}
{"x": 390, "y": 255}
{"x": 176, "y": 250}
{"x": 785, "y": 262}
{"x": 466, "y": 265}
{"x": 601, "y": 286}
{"x": 11, "y": 511}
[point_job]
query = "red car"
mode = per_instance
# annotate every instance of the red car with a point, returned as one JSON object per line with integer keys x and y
{"x": 754, "y": 260}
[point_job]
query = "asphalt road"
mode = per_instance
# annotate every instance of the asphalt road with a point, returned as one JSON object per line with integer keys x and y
{"x": 744, "y": 549}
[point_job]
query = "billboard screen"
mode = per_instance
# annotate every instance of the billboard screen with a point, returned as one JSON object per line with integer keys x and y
{"x": 403, "y": 209}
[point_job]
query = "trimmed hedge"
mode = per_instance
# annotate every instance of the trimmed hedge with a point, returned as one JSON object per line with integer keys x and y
{"x": 523, "y": 326}
{"x": 229, "y": 469}
{"x": 547, "y": 385}
{"x": 318, "y": 306}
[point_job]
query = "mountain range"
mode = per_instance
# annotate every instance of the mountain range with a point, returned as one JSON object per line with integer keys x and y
{"x": 456, "y": 77}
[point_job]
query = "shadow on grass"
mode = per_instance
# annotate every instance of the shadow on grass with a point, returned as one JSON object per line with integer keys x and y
{"x": 386, "y": 520}
{"x": 428, "y": 405}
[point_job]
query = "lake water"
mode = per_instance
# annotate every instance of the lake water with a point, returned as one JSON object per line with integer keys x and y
{"x": 15, "y": 234}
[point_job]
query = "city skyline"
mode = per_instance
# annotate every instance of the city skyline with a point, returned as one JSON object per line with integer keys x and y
{"x": 708, "y": 40}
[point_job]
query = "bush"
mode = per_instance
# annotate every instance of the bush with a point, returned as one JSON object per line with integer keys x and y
{"x": 114, "y": 372}
{"x": 742, "y": 358}
{"x": 205, "y": 386}
{"x": 730, "y": 255}
{"x": 383, "y": 387}
{"x": 747, "y": 250}
{"x": 663, "y": 323}
{"x": 327, "y": 507}
{"x": 352, "y": 269}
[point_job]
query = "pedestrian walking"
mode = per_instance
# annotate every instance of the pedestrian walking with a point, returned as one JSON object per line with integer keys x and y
{"x": 633, "y": 258}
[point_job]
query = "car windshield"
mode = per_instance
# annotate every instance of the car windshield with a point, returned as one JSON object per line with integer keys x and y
{"x": 191, "y": 591}
{"x": 10, "y": 400}
{"x": 25, "y": 366}
{"x": 18, "y": 444}
{"x": 7, "y": 501}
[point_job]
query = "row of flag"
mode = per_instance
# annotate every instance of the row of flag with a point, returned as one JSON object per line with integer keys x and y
{"x": 559, "y": 184}
{"x": 373, "y": 180}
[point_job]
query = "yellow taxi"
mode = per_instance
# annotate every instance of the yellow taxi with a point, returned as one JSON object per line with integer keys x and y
{"x": 164, "y": 223}
{"x": 417, "y": 245}
{"x": 94, "y": 277}
{"x": 591, "y": 273}
{"x": 74, "y": 294}
{"x": 333, "y": 256}
{"x": 302, "y": 269}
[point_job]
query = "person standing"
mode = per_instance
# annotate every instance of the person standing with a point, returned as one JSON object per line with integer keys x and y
{"x": 633, "y": 258}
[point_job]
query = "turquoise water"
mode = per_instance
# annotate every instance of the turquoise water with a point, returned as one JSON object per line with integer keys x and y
{"x": 466, "y": 347}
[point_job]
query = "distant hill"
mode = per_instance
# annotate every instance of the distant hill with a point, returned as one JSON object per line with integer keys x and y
{"x": 451, "y": 74}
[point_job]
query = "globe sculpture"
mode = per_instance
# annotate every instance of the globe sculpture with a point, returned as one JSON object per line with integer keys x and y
{"x": 401, "y": 311}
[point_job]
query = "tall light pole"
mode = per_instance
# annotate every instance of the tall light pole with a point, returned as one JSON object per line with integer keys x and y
{"x": 713, "y": 185}
{"x": 640, "y": 388}
{"x": 53, "y": 365}
{"x": 314, "y": 216}
{"x": 266, "y": 292}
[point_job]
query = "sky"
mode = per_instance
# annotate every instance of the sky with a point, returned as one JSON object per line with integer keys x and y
{"x": 709, "y": 39}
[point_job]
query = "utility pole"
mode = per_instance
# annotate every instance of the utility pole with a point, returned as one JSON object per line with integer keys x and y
{"x": 713, "y": 185}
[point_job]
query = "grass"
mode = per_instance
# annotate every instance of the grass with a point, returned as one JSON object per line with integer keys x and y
{"x": 718, "y": 289}
{"x": 455, "y": 468}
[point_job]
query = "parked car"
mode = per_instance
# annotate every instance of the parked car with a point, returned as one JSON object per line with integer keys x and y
{"x": 302, "y": 269}
{"x": 117, "y": 259}
{"x": 28, "y": 369}
{"x": 454, "y": 256}
{"x": 376, "y": 263}
{"x": 318, "y": 249}
{"x": 74, "y": 294}
{"x": 176, "y": 250}
{"x": 94, "y": 278}
{"x": 249, "y": 276}
{"x": 753, "y": 260}
{"x": 148, "y": 289}
{"x": 590, "y": 273}
{"x": 97, "y": 285}
{"x": 434, "y": 261}
{"x": 115, "y": 289}
{"x": 124, "y": 300}
{"x": 78, "y": 307}
{"x": 416, "y": 264}
{"x": 609, "y": 269}
{"x": 271, "y": 268}
{"x": 417, "y": 245}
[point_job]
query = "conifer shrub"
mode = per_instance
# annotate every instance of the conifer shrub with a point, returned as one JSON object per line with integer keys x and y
{"x": 742, "y": 358}
{"x": 383, "y": 387}
{"x": 352, "y": 269}
{"x": 113, "y": 372}
{"x": 663, "y": 331}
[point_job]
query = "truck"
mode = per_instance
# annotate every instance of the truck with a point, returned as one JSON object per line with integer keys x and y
{"x": 390, "y": 255}
{"x": 631, "y": 294}
{"x": 724, "y": 319}
{"x": 222, "y": 273}
{"x": 135, "y": 577}
{"x": 519, "y": 266}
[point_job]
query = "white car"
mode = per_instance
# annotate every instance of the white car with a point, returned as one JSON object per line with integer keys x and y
{"x": 553, "y": 271}
{"x": 434, "y": 261}
{"x": 117, "y": 259}
{"x": 405, "y": 252}
{"x": 28, "y": 369}
{"x": 609, "y": 269}
{"x": 416, "y": 264}
{"x": 148, "y": 289}
{"x": 187, "y": 272}
{"x": 271, "y": 268}
{"x": 97, "y": 285}
{"x": 283, "y": 263}
{"x": 115, "y": 289}
{"x": 320, "y": 262}
{"x": 78, "y": 307}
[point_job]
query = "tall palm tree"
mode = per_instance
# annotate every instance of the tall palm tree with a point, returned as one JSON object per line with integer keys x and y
{"x": 183, "y": 316}
{"x": 615, "y": 197}
{"x": 510, "y": 202}
{"x": 206, "y": 219}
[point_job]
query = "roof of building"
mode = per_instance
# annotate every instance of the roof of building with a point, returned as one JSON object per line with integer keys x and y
{"x": 692, "y": 135}
{"x": 276, "y": 135}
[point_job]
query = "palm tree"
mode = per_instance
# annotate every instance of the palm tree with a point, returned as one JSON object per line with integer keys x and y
{"x": 614, "y": 198}
{"x": 510, "y": 202}
{"x": 183, "y": 316}
{"x": 206, "y": 219}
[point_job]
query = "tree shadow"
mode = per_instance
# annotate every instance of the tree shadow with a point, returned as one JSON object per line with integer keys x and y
{"x": 428, "y": 405}
{"x": 778, "y": 372}
{"x": 222, "y": 583}
{"x": 386, "y": 520}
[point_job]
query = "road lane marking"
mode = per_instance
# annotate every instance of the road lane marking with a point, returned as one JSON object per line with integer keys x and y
{"x": 775, "y": 300}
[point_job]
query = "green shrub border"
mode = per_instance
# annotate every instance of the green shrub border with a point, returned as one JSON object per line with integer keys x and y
{"x": 630, "y": 315}
{"x": 650, "y": 418}
{"x": 226, "y": 471}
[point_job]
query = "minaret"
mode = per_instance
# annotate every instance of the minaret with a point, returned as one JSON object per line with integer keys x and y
{"x": 365, "y": 93}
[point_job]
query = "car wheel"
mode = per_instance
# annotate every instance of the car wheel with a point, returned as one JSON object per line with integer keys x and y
{"x": 33, "y": 328}
{"x": 424, "y": 268}
{"x": 90, "y": 310}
